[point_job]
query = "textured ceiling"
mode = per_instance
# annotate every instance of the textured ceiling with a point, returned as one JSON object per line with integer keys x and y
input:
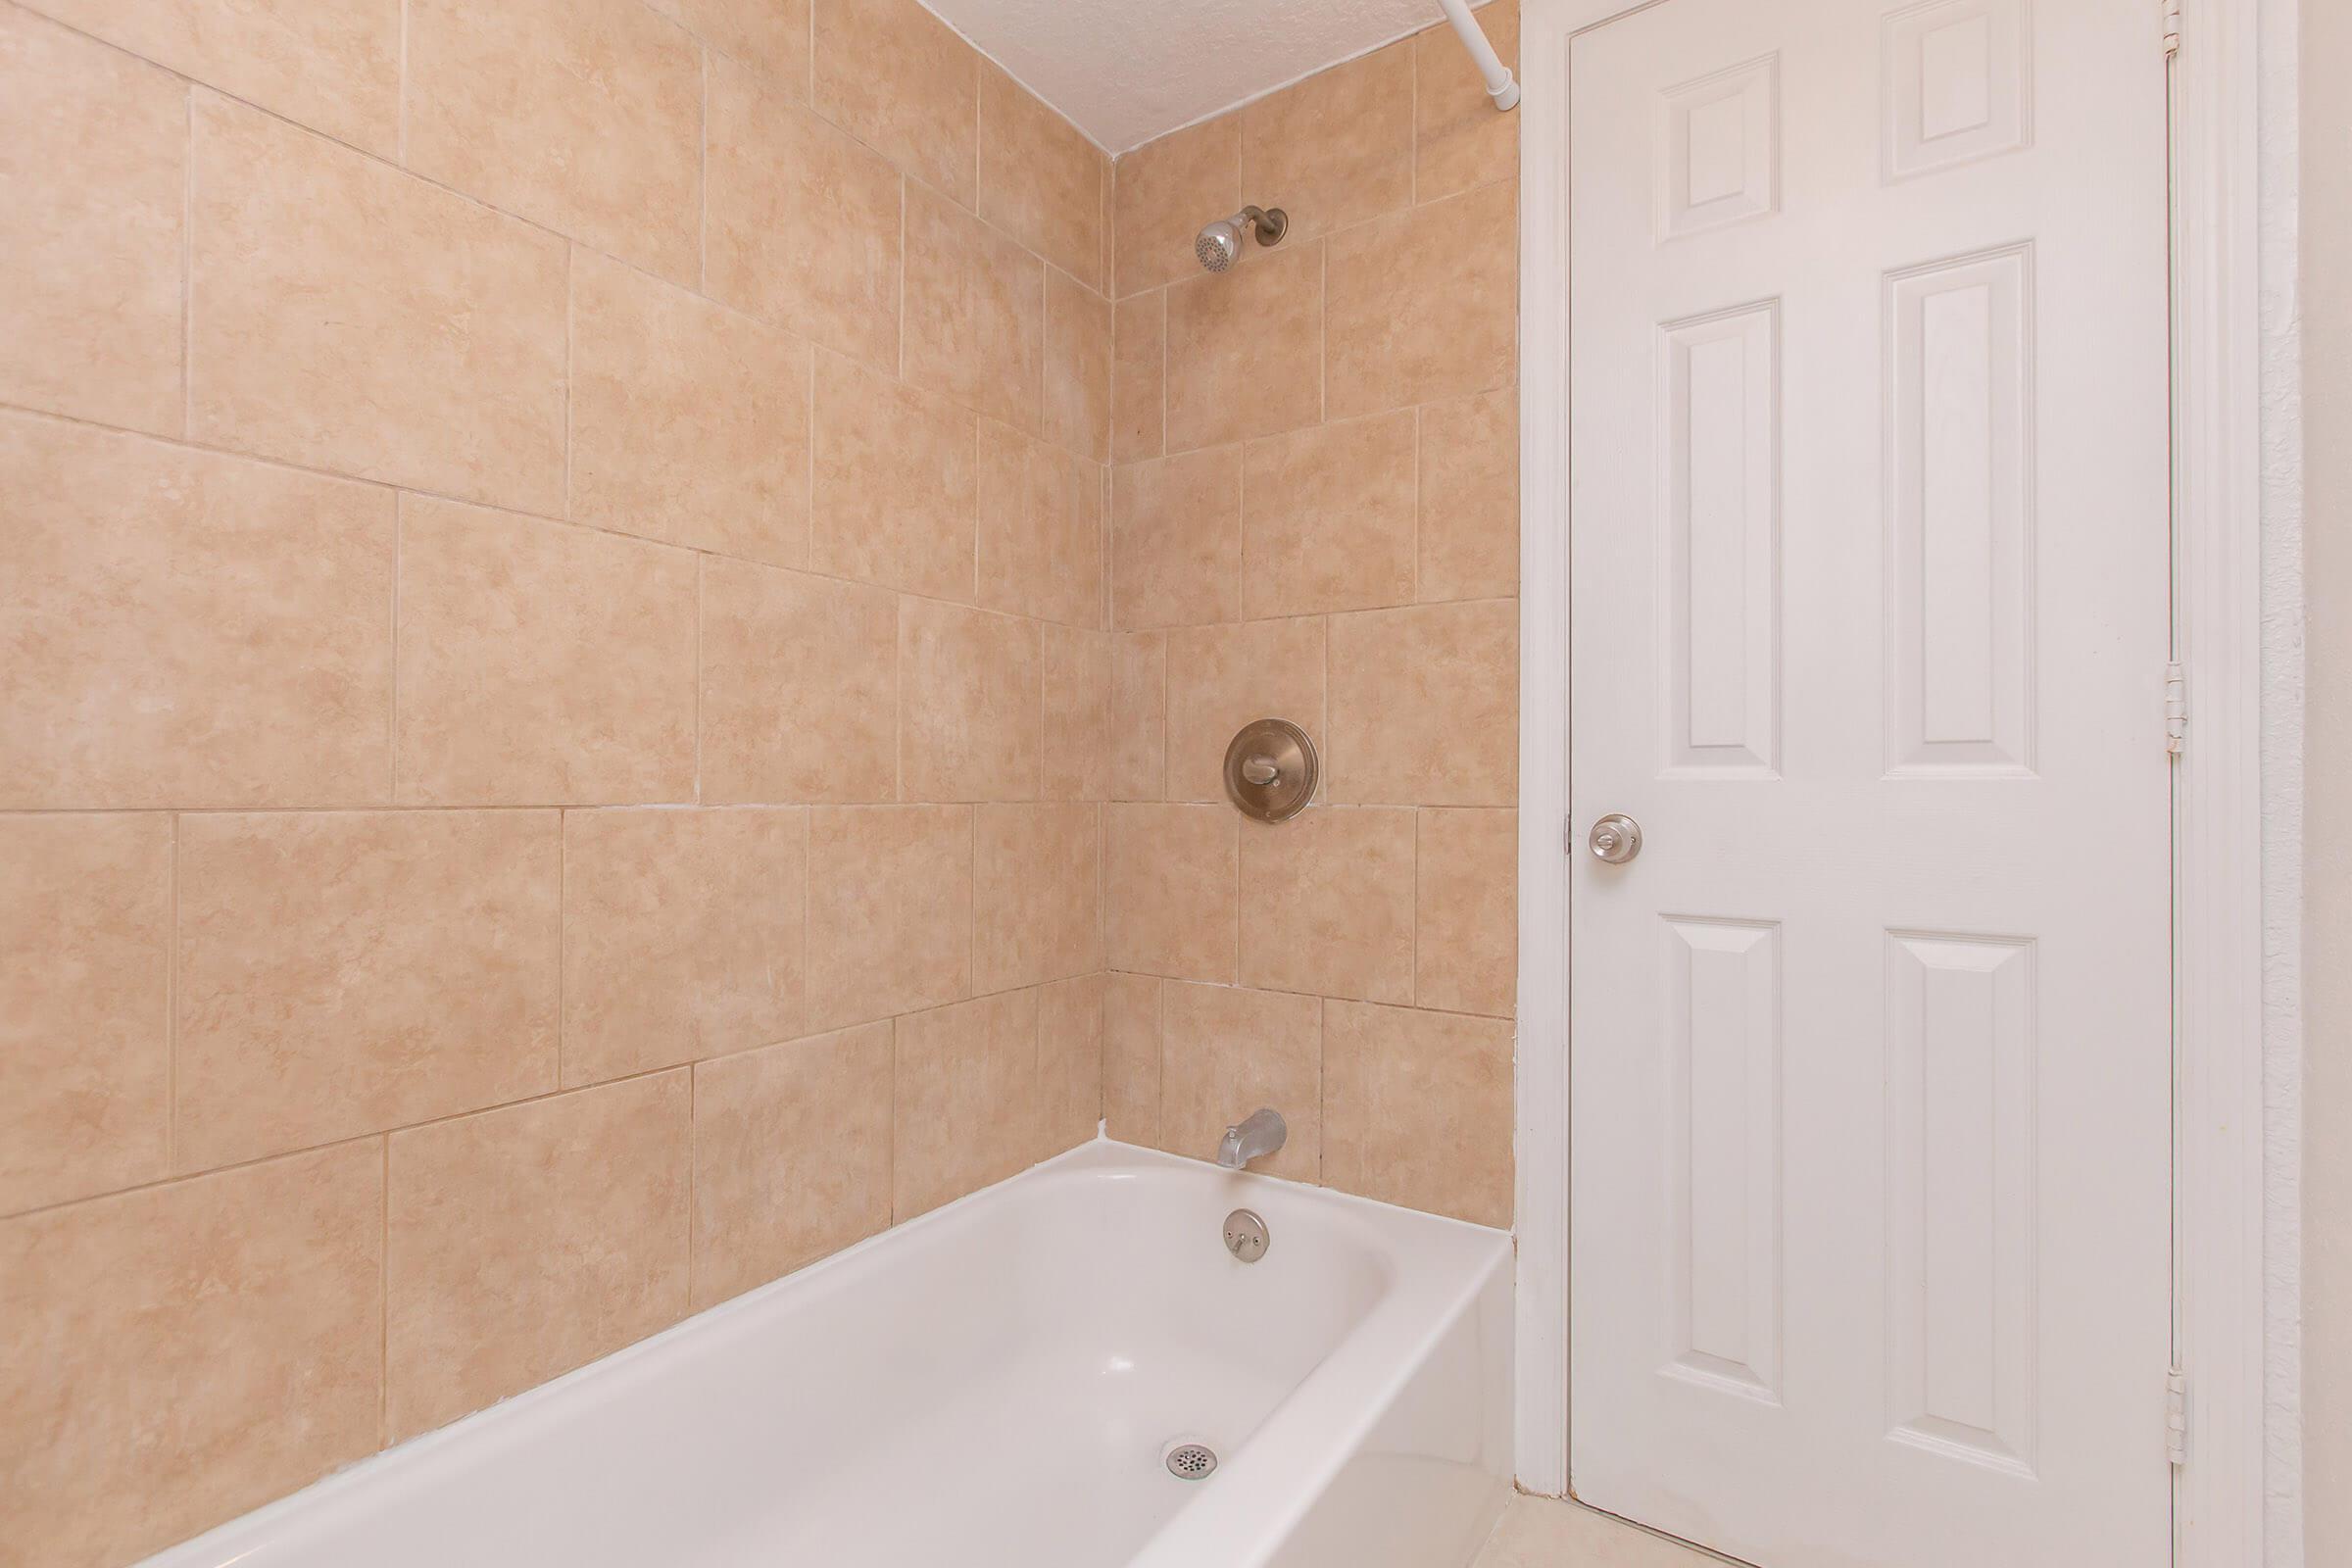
{"x": 1127, "y": 71}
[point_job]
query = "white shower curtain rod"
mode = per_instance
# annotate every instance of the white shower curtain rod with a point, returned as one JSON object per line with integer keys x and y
{"x": 1500, "y": 85}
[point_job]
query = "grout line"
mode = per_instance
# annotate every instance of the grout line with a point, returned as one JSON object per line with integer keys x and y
{"x": 900, "y": 371}
{"x": 562, "y": 869}
{"x": 807, "y": 876}
{"x": 400, "y": 137}
{"x": 400, "y": 509}
{"x": 896, "y": 1216}
{"x": 897, "y": 701}
{"x": 808, "y": 431}
{"x": 171, "y": 1004}
{"x": 187, "y": 271}
{"x": 702, "y": 176}
{"x": 1413, "y": 976}
{"x": 1323, "y": 331}
{"x": 1166, "y": 354}
{"x": 572, "y": 332}
{"x": 700, "y": 576}
{"x": 1412, "y": 138}
{"x": 383, "y": 1293}
{"x": 1420, "y": 496}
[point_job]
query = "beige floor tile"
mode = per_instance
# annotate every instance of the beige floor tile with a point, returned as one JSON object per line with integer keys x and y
{"x": 1546, "y": 1533}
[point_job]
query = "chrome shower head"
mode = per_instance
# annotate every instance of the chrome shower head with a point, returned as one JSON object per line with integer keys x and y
{"x": 1219, "y": 244}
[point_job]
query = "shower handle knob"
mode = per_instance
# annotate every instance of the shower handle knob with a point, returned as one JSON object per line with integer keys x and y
{"x": 1616, "y": 839}
{"x": 1261, "y": 770}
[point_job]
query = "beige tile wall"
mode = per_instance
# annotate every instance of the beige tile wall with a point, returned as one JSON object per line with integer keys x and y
{"x": 555, "y": 675}
{"x": 1314, "y": 516}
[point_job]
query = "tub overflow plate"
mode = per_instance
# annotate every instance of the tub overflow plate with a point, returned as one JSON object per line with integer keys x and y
{"x": 1246, "y": 1235}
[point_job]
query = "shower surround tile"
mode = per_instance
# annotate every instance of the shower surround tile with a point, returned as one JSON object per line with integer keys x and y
{"x": 799, "y": 687}
{"x": 1041, "y": 180}
{"x": 1078, "y": 368}
{"x": 581, "y": 114}
{"x": 971, "y": 713}
{"x": 791, "y": 1156}
{"x": 542, "y": 664}
{"x": 1077, "y": 704}
{"x": 1166, "y": 190}
{"x": 344, "y": 972}
{"x": 1336, "y": 148}
{"x": 1224, "y": 1053}
{"x": 1417, "y": 1109}
{"x": 1139, "y": 388}
{"x": 1330, "y": 902}
{"x": 965, "y": 1108}
{"x": 1425, "y": 705}
{"x": 1333, "y": 527}
{"x": 890, "y": 911}
{"x": 323, "y": 312}
{"x": 896, "y": 497}
{"x": 1070, "y": 1060}
{"x": 770, "y": 36}
{"x": 682, "y": 936}
{"x": 141, "y": 1334}
{"x": 898, "y": 80}
{"x": 585, "y": 1250}
{"x": 771, "y": 163}
{"x": 1176, "y": 540}
{"x": 1466, "y": 955}
{"x": 1041, "y": 529}
{"x": 1175, "y": 870}
{"x": 1220, "y": 678}
{"x": 1459, "y": 141}
{"x": 94, "y": 153}
{"x": 688, "y": 423}
{"x": 975, "y": 313}
{"x": 1425, "y": 304}
{"x": 1036, "y": 894}
{"x": 1245, "y": 348}
{"x": 331, "y": 64}
{"x": 1131, "y": 1071}
{"x": 189, "y": 629}
{"x": 1139, "y": 680}
{"x": 85, "y": 1011}
{"x": 1468, "y": 538}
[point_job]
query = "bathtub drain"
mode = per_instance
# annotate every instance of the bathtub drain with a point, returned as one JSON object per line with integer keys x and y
{"x": 1192, "y": 1461}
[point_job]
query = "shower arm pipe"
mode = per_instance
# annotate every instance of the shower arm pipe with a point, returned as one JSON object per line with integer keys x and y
{"x": 1500, "y": 85}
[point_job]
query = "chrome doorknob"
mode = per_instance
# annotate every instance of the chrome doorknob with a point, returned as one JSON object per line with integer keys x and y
{"x": 1616, "y": 839}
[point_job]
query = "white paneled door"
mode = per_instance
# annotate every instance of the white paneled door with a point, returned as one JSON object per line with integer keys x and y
{"x": 1872, "y": 1094}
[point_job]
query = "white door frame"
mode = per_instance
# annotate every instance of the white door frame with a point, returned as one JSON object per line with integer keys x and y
{"x": 2217, "y": 1172}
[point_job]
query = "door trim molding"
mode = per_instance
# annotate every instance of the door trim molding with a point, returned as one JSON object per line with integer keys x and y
{"x": 2217, "y": 803}
{"x": 2217, "y": 1050}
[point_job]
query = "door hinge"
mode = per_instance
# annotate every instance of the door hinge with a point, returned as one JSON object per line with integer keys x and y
{"x": 2175, "y": 708}
{"x": 2172, "y": 27}
{"x": 2175, "y": 1416}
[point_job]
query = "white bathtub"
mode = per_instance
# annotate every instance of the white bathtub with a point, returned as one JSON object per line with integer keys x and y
{"x": 995, "y": 1384}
